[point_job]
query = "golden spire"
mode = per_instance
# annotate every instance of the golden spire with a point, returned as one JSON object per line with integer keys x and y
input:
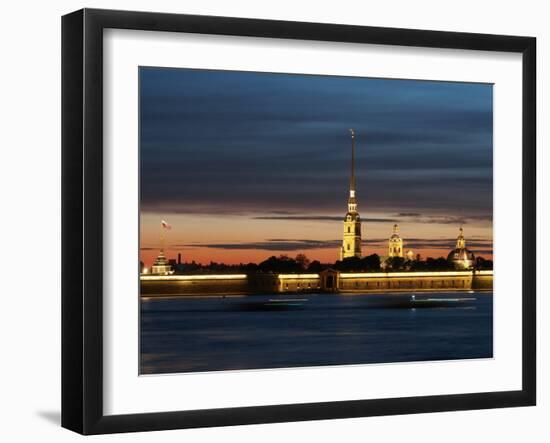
{"x": 352, "y": 177}
{"x": 351, "y": 243}
{"x": 352, "y": 202}
{"x": 162, "y": 240}
{"x": 461, "y": 241}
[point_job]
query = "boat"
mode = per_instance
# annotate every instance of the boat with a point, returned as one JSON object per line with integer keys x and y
{"x": 413, "y": 302}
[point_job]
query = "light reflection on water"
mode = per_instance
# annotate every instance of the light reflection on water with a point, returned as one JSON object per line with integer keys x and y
{"x": 257, "y": 332}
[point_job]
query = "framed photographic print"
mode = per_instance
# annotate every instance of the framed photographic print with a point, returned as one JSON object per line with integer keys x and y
{"x": 269, "y": 221}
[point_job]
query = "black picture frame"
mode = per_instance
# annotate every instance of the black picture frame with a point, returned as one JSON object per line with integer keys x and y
{"x": 82, "y": 218}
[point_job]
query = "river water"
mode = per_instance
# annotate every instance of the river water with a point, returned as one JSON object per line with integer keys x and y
{"x": 256, "y": 332}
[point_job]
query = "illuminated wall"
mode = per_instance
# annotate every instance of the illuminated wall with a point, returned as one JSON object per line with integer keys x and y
{"x": 326, "y": 281}
{"x": 383, "y": 282}
{"x": 172, "y": 285}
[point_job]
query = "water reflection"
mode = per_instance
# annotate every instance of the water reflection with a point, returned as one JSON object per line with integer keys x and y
{"x": 209, "y": 334}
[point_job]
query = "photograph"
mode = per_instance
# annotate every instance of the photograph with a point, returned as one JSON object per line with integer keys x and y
{"x": 297, "y": 220}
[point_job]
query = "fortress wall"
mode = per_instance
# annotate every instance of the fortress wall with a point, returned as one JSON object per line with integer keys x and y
{"x": 390, "y": 282}
{"x": 483, "y": 282}
{"x": 299, "y": 283}
{"x": 173, "y": 285}
{"x": 405, "y": 283}
{"x": 194, "y": 285}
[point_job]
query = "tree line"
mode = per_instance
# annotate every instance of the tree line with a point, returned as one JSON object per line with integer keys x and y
{"x": 283, "y": 264}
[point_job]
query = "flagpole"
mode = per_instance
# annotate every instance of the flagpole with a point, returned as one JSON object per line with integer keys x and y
{"x": 162, "y": 238}
{"x": 163, "y": 226}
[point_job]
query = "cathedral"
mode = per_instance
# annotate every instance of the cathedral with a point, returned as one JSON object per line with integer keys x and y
{"x": 161, "y": 265}
{"x": 461, "y": 257}
{"x": 395, "y": 244}
{"x": 351, "y": 243}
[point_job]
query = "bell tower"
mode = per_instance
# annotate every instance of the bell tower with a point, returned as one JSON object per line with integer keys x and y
{"x": 395, "y": 244}
{"x": 351, "y": 242}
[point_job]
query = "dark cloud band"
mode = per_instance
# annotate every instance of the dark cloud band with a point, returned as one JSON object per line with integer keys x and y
{"x": 281, "y": 244}
{"x": 234, "y": 141}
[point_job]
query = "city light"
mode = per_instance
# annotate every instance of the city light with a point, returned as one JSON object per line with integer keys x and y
{"x": 194, "y": 277}
{"x": 412, "y": 274}
{"x": 297, "y": 276}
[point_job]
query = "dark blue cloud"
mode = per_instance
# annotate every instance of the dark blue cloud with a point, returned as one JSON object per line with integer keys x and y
{"x": 230, "y": 141}
{"x": 283, "y": 244}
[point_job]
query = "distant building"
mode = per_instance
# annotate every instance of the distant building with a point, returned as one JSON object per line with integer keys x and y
{"x": 351, "y": 242}
{"x": 395, "y": 244}
{"x": 461, "y": 257}
{"x": 161, "y": 265}
{"x": 410, "y": 255}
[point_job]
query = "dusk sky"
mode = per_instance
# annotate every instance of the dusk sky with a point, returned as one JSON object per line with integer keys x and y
{"x": 247, "y": 165}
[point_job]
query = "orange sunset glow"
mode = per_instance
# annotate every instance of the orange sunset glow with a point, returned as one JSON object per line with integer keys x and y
{"x": 196, "y": 236}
